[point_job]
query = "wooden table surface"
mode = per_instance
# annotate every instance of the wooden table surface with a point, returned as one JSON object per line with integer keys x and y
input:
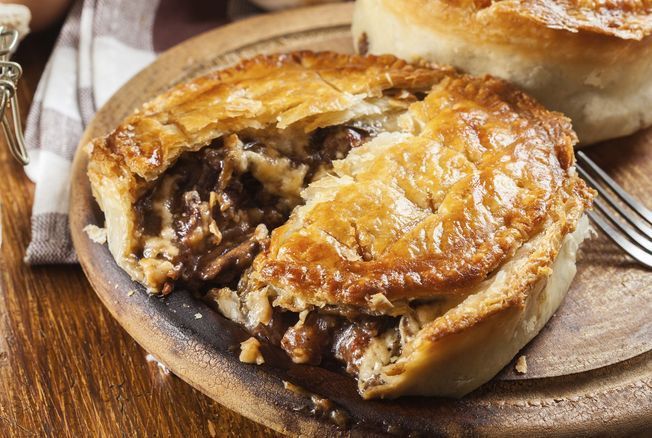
{"x": 66, "y": 367}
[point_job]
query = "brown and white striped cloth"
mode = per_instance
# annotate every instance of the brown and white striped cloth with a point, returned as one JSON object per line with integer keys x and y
{"x": 102, "y": 44}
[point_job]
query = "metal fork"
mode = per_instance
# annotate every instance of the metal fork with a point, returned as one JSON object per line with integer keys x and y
{"x": 622, "y": 218}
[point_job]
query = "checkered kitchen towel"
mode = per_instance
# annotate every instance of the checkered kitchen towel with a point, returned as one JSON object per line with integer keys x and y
{"x": 102, "y": 44}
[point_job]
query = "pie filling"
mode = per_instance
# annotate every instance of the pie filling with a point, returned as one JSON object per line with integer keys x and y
{"x": 209, "y": 215}
{"x": 204, "y": 221}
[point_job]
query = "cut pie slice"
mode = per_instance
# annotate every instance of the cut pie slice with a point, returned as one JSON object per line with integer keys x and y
{"x": 416, "y": 224}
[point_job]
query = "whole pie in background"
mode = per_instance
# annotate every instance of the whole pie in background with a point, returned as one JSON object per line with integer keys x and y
{"x": 591, "y": 60}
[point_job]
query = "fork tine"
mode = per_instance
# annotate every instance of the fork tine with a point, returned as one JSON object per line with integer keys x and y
{"x": 624, "y": 227}
{"x": 637, "y": 245}
{"x": 634, "y": 251}
{"x": 613, "y": 185}
{"x": 631, "y": 218}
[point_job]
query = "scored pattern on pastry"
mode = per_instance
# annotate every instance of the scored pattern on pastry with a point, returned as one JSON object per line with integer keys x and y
{"x": 415, "y": 216}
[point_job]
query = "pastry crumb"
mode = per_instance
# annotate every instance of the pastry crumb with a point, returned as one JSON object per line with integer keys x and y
{"x": 198, "y": 316}
{"x": 250, "y": 352}
{"x": 131, "y": 292}
{"x": 380, "y": 302}
{"x": 95, "y": 233}
{"x": 521, "y": 365}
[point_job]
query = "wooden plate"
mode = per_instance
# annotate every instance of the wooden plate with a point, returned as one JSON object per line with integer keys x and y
{"x": 590, "y": 369}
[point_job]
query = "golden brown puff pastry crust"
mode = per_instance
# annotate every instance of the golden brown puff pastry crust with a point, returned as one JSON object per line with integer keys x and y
{"x": 267, "y": 90}
{"x": 626, "y": 19}
{"x": 434, "y": 213}
{"x": 508, "y": 19}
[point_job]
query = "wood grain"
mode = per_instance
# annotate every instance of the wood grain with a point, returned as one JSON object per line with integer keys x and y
{"x": 66, "y": 367}
{"x": 589, "y": 370}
